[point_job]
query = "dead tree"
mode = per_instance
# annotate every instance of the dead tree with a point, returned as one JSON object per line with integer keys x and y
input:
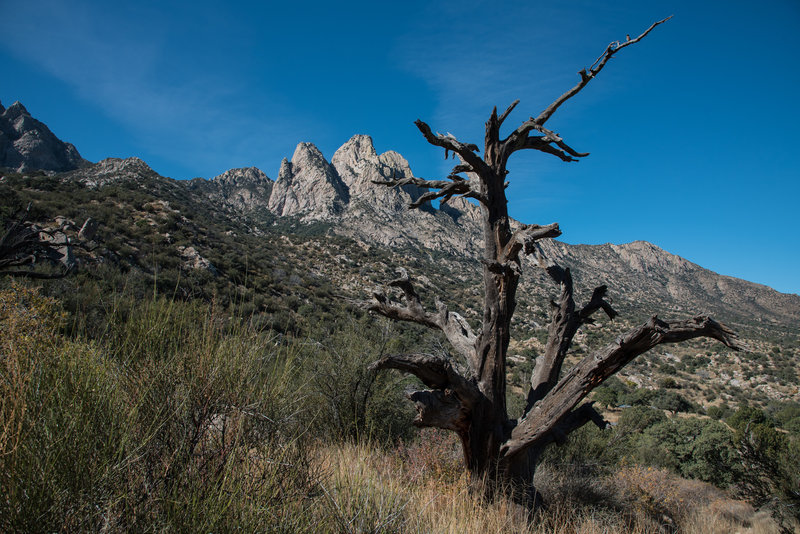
{"x": 24, "y": 245}
{"x": 499, "y": 451}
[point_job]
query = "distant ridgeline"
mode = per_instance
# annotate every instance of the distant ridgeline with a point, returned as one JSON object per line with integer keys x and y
{"x": 324, "y": 234}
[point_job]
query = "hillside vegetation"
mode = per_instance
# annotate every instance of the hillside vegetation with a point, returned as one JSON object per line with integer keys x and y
{"x": 205, "y": 369}
{"x": 180, "y": 418}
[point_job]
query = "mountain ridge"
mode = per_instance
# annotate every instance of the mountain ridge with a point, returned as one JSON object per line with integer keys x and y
{"x": 344, "y": 195}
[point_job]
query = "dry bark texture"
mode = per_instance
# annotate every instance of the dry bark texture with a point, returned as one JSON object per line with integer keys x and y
{"x": 470, "y": 398}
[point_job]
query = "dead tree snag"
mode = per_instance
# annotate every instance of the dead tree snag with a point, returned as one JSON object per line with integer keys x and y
{"x": 499, "y": 451}
{"x": 24, "y": 245}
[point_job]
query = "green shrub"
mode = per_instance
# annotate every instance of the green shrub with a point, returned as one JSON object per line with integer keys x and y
{"x": 174, "y": 420}
{"x": 661, "y": 399}
{"x": 771, "y": 479}
{"x": 605, "y": 396}
{"x": 353, "y": 400}
{"x": 693, "y": 447}
{"x": 586, "y": 450}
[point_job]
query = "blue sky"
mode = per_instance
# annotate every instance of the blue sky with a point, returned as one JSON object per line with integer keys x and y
{"x": 693, "y": 132}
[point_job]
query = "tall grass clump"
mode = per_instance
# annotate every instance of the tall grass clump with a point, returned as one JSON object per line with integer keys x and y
{"x": 177, "y": 419}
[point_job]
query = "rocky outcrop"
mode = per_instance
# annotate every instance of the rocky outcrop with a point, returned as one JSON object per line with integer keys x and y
{"x": 27, "y": 144}
{"x": 112, "y": 170}
{"x": 462, "y": 210}
{"x": 308, "y": 187}
{"x": 193, "y": 260}
{"x": 242, "y": 190}
{"x": 344, "y": 191}
{"x": 359, "y": 166}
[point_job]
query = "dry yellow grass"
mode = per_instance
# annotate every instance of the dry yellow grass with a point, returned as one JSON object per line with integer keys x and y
{"x": 370, "y": 490}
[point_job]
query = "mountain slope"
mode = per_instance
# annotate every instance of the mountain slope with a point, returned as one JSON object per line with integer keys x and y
{"x": 293, "y": 252}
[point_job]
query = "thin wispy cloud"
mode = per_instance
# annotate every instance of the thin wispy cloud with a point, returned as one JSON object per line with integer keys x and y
{"x": 200, "y": 119}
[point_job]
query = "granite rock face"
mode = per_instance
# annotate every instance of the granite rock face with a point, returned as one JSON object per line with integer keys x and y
{"x": 308, "y": 187}
{"x": 344, "y": 192}
{"x": 670, "y": 284}
{"x": 27, "y": 144}
{"x": 359, "y": 165}
{"x": 461, "y": 209}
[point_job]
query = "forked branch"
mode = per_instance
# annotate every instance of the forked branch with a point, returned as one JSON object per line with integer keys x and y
{"x": 455, "y": 328}
{"x": 550, "y": 142}
{"x": 434, "y": 371}
{"x": 438, "y": 188}
{"x": 467, "y": 151}
{"x": 565, "y": 322}
{"x": 597, "y": 367}
{"x": 525, "y": 238}
{"x": 453, "y": 397}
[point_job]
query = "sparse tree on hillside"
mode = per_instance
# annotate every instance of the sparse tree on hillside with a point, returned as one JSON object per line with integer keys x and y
{"x": 469, "y": 397}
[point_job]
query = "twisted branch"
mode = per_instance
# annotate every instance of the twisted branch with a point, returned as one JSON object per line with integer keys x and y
{"x": 597, "y": 367}
{"x": 520, "y": 139}
{"x": 594, "y": 70}
{"x": 455, "y": 328}
{"x": 449, "y": 404}
{"x": 441, "y": 188}
{"x": 467, "y": 151}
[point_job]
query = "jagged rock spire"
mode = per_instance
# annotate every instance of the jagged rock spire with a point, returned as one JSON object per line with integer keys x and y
{"x": 308, "y": 186}
{"x": 27, "y": 144}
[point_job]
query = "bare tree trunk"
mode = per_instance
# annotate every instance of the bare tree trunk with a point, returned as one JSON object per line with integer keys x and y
{"x": 500, "y": 453}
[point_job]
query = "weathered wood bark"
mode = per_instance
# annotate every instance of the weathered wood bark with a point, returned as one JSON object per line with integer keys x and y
{"x": 23, "y": 246}
{"x": 500, "y": 452}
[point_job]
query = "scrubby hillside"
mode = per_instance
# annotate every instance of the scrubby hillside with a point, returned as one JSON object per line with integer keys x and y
{"x": 205, "y": 366}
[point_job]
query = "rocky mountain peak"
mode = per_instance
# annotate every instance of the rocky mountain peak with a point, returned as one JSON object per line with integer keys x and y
{"x": 357, "y": 148}
{"x": 15, "y": 110}
{"x": 308, "y": 186}
{"x": 27, "y": 144}
{"x": 244, "y": 189}
{"x": 307, "y": 154}
{"x": 359, "y": 166}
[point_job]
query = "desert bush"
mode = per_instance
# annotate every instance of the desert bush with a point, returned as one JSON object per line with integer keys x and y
{"x": 435, "y": 453}
{"x": 352, "y": 401}
{"x": 175, "y": 421}
{"x": 661, "y": 399}
{"x": 605, "y": 396}
{"x": 588, "y": 450}
{"x": 770, "y": 479}
{"x": 786, "y": 415}
{"x": 693, "y": 447}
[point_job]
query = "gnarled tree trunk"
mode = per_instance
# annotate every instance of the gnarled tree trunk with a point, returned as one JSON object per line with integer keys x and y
{"x": 499, "y": 452}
